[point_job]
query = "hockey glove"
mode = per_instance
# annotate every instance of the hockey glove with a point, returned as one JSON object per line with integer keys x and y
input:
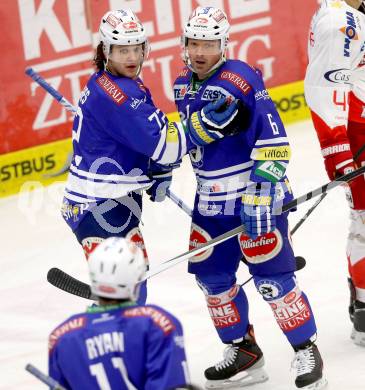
{"x": 338, "y": 160}
{"x": 161, "y": 176}
{"x": 214, "y": 121}
{"x": 256, "y": 209}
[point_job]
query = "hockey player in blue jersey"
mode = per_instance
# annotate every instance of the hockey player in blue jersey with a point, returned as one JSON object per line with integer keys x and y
{"x": 122, "y": 143}
{"x": 118, "y": 344}
{"x": 241, "y": 180}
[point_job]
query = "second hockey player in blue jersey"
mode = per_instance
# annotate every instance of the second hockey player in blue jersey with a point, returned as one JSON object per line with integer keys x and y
{"x": 118, "y": 344}
{"x": 241, "y": 180}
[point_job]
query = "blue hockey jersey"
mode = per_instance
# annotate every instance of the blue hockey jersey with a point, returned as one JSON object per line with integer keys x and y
{"x": 119, "y": 347}
{"x": 260, "y": 153}
{"x": 116, "y": 130}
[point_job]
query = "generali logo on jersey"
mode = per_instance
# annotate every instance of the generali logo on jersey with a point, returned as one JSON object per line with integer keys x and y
{"x": 159, "y": 318}
{"x": 236, "y": 80}
{"x": 111, "y": 89}
{"x": 75, "y": 323}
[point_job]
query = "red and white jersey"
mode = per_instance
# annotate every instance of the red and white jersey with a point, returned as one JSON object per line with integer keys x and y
{"x": 336, "y": 58}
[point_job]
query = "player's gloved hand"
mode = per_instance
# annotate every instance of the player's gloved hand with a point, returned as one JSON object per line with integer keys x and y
{"x": 216, "y": 120}
{"x": 338, "y": 160}
{"x": 256, "y": 209}
{"x": 161, "y": 176}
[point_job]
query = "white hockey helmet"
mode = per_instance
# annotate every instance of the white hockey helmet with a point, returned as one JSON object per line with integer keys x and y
{"x": 116, "y": 268}
{"x": 122, "y": 27}
{"x": 206, "y": 23}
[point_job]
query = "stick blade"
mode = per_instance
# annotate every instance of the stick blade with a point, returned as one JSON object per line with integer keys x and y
{"x": 67, "y": 283}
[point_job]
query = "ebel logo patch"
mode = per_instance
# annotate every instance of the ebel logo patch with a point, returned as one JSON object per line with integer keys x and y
{"x": 339, "y": 76}
{"x": 213, "y": 93}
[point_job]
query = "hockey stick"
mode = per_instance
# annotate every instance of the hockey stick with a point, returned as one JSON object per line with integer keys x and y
{"x": 53, "y": 384}
{"x": 71, "y": 285}
{"x": 311, "y": 209}
{"x": 43, "y": 83}
{"x": 70, "y": 107}
{"x": 240, "y": 229}
{"x": 179, "y": 202}
{"x": 67, "y": 283}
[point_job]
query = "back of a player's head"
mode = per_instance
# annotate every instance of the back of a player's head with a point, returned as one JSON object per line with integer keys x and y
{"x": 116, "y": 268}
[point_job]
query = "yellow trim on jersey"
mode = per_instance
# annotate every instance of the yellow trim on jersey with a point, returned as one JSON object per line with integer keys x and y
{"x": 271, "y": 153}
{"x": 256, "y": 200}
{"x": 172, "y": 133}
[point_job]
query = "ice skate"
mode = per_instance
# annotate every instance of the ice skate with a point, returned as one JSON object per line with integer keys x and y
{"x": 242, "y": 366}
{"x": 358, "y": 331}
{"x": 309, "y": 366}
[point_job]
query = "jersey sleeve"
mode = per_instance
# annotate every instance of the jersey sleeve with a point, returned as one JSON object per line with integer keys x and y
{"x": 139, "y": 125}
{"x": 166, "y": 360}
{"x": 266, "y": 135}
{"x": 54, "y": 370}
{"x": 327, "y": 80}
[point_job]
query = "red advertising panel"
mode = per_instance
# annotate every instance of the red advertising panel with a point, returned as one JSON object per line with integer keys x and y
{"x": 56, "y": 38}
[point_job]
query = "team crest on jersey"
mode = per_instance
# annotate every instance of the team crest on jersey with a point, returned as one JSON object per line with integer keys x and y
{"x": 213, "y": 93}
{"x": 269, "y": 289}
{"x": 199, "y": 236}
{"x": 261, "y": 249}
{"x": 180, "y": 91}
{"x": 196, "y": 156}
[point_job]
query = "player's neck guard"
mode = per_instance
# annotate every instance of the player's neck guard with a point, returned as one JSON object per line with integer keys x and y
{"x": 101, "y": 308}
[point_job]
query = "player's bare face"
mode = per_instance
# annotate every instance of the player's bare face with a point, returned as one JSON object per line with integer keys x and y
{"x": 203, "y": 55}
{"x": 125, "y": 60}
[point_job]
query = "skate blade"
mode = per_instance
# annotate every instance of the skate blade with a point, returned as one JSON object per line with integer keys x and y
{"x": 244, "y": 378}
{"x": 320, "y": 384}
{"x": 358, "y": 337}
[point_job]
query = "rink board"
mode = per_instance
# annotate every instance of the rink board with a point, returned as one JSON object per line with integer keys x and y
{"x": 44, "y": 164}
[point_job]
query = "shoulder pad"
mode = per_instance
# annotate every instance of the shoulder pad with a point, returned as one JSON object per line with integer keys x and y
{"x": 73, "y": 323}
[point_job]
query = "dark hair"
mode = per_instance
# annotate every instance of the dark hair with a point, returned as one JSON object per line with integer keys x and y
{"x": 99, "y": 58}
